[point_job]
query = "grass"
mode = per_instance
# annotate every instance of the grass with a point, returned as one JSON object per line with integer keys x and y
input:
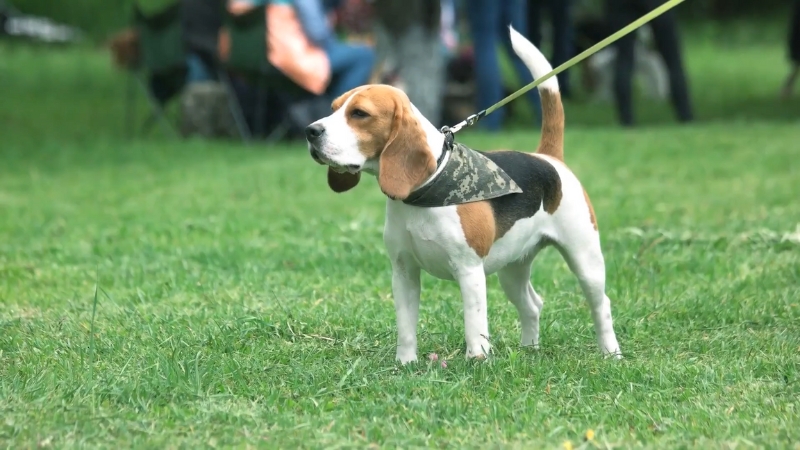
{"x": 156, "y": 293}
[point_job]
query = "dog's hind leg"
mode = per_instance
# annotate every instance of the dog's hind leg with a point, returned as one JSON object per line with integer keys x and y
{"x": 585, "y": 259}
{"x": 516, "y": 282}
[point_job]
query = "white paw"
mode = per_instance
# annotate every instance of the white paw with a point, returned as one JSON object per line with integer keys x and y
{"x": 616, "y": 354}
{"x": 530, "y": 339}
{"x": 609, "y": 346}
{"x": 479, "y": 350}
{"x": 405, "y": 356}
{"x": 530, "y": 346}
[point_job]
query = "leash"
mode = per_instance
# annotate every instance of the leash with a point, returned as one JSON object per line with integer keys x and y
{"x": 473, "y": 119}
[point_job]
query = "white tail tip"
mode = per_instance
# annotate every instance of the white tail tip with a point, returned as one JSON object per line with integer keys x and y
{"x": 533, "y": 59}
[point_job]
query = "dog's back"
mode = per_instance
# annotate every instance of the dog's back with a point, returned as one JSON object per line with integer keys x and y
{"x": 537, "y": 177}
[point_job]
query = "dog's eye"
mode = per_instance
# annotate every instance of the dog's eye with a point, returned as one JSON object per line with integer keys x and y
{"x": 359, "y": 114}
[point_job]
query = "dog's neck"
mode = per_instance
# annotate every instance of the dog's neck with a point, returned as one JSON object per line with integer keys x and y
{"x": 433, "y": 137}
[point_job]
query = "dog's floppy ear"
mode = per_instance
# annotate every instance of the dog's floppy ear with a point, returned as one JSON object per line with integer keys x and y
{"x": 341, "y": 182}
{"x": 406, "y": 161}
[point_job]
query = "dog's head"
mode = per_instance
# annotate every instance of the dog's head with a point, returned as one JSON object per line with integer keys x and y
{"x": 373, "y": 128}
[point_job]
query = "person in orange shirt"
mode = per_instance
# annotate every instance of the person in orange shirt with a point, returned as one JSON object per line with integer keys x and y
{"x": 304, "y": 46}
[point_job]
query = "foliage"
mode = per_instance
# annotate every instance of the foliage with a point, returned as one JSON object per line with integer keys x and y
{"x": 100, "y": 18}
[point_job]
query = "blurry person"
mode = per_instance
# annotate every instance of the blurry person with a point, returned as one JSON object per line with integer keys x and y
{"x": 794, "y": 51}
{"x": 409, "y": 44}
{"x": 354, "y": 19}
{"x": 562, "y": 34}
{"x": 621, "y": 13}
{"x": 598, "y": 69}
{"x": 489, "y": 21}
{"x": 200, "y": 24}
{"x": 201, "y": 21}
{"x": 305, "y": 47}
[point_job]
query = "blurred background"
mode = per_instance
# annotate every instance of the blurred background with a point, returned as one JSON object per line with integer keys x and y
{"x": 261, "y": 70}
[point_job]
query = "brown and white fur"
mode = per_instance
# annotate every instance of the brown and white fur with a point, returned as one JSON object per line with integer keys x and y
{"x": 375, "y": 129}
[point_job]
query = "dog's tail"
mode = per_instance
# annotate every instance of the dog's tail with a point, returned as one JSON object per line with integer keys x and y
{"x": 552, "y": 141}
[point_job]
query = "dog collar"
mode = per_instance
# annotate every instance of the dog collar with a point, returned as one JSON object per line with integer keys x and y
{"x": 468, "y": 176}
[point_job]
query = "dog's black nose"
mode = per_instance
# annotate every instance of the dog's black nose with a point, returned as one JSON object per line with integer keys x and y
{"x": 314, "y": 131}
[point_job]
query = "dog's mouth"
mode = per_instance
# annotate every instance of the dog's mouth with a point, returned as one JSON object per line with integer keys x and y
{"x": 350, "y": 168}
{"x": 321, "y": 160}
{"x": 315, "y": 155}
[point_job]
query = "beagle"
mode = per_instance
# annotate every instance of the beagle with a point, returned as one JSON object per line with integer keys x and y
{"x": 461, "y": 214}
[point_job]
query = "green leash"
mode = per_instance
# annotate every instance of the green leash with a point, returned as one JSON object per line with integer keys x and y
{"x": 473, "y": 119}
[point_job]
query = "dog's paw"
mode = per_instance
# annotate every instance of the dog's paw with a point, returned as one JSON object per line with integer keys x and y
{"x": 479, "y": 352}
{"x": 405, "y": 356}
{"x": 478, "y": 357}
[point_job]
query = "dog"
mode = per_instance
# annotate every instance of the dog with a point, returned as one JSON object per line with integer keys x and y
{"x": 500, "y": 209}
{"x": 648, "y": 67}
{"x": 598, "y": 72}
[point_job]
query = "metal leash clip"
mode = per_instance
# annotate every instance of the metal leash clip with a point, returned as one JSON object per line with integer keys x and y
{"x": 468, "y": 122}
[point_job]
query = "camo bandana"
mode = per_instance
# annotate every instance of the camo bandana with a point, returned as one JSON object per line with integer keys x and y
{"x": 467, "y": 177}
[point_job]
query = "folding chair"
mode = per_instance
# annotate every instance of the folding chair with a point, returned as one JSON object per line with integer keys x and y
{"x": 162, "y": 68}
{"x": 248, "y": 57}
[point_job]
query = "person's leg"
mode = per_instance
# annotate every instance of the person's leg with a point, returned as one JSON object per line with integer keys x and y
{"x": 514, "y": 13}
{"x": 563, "y": 40}
{"x": 794, "y": 51}
{"x": 534, "y": 15}
{"x": 351, "y": 66}
{"x": 483, "y": 17}
{"x": 246, "y": 95}
{"x": 794, "y": 34}
{"x": 620, "y": 13}
{"x": 197, "y": 69}
{"x": 665, "y": 35}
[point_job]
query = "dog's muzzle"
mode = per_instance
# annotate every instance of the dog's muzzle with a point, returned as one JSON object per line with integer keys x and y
{"x": 315, "y": 155}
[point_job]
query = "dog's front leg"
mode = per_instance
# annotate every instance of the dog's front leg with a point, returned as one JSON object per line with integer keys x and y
{"x": 406, "y": 292}
{"x": 476, "y": 321}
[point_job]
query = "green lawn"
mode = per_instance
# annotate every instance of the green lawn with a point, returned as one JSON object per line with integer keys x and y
{"x": 156, "y": 293}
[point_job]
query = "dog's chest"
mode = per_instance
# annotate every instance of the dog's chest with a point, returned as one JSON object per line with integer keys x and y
{"x": 432, "y": 236}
